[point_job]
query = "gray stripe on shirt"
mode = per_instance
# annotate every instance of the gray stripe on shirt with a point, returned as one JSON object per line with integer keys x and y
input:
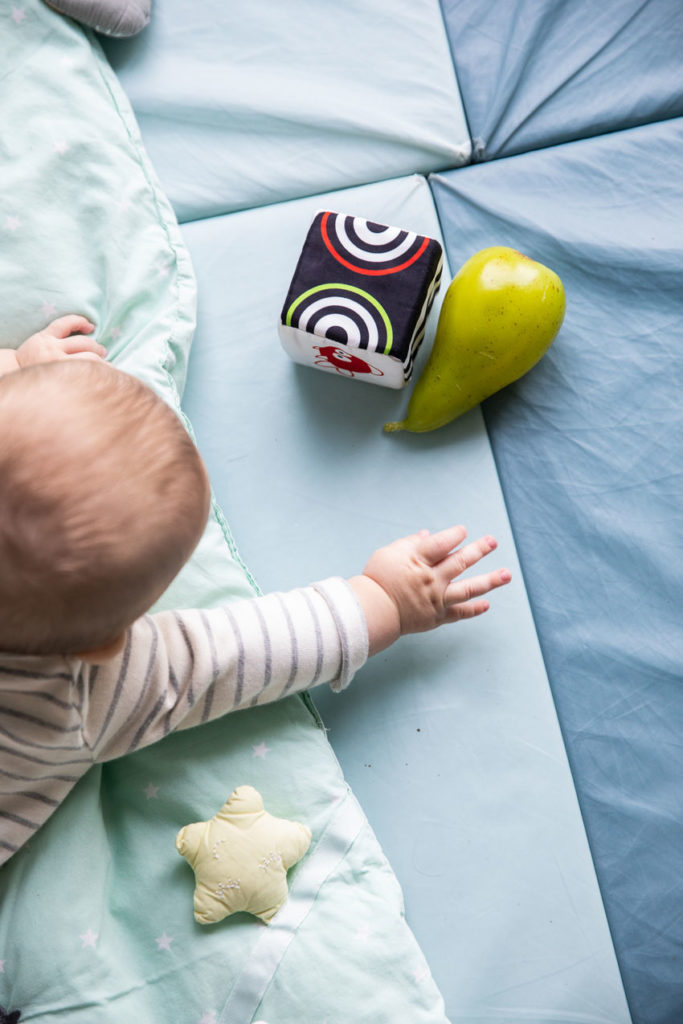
{"x": 343, "y": 637}
{"x": 92, "y": 677}
{"x": 26, "y": 717}
{"x": 268, "y": 666}
{"x": 40, "y": 797}
{"x": 175, "y": 686}
{"x": 123, "y": 674}
{"x": 39, "y": 760}
{"x": 146, "y": 679}
{"x": 190, "y": 651}
{"x": 215, "y": 668}
{"x": 318, "y": 638}
{"x": 294, "y": 646}
{"x": 39, "y": 778}
{"x": 65, "y": 705}
{"x": 23, "y": 673}
{"x": 173, "y": 680}
{"x": 147, "y": 722}
{"x": 33, "y": 743}
{"x": 239, "y": 684}
{"x": 18, "y": 820}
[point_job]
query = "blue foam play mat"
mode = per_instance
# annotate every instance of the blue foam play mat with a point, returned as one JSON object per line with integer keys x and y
{"x": 496, "y": 807}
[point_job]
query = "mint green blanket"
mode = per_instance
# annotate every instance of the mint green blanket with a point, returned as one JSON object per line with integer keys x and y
{"x": 96, "y": 917}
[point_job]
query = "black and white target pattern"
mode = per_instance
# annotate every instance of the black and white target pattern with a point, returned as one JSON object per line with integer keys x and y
{"x": 342, "y": 313}
{"x": 370, "y": 248}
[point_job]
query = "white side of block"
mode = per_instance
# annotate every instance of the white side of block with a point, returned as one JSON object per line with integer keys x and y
{"x": 344, "y": 360}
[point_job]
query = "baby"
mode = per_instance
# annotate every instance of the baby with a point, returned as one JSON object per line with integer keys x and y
{"x": 103, "y": 498}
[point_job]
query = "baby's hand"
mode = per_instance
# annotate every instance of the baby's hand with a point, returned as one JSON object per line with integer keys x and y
{"x": 411, "y": 586}
{"x": 63, "y": 338}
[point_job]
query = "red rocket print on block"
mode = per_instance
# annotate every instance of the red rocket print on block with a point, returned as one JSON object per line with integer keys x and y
{"x": 343, "y": 361}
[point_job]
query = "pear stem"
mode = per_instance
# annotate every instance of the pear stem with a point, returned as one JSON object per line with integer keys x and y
{"x": 389, "y": 428}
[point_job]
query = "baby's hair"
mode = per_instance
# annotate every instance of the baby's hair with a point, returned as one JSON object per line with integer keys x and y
{"x": 103, "y": 497}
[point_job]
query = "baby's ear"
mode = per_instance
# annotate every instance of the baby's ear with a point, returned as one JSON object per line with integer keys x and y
{"x": 120, "y": 18}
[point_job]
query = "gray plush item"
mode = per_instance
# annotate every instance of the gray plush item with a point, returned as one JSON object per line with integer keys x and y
{"x": 110, "y": 17}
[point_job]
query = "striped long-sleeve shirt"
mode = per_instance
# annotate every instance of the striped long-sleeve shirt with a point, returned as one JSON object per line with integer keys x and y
{"x": 60, "y": 715}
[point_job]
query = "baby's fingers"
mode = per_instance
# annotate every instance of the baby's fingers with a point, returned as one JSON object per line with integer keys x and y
{"x": 87, "y": 355}
{"x": 461, "y": 591}
{"x": 463, "y": 597}
{"x": 434, "y": 547}
{"x": 77, "y": 344}
{"x": 70, "y": 324}
{"x": 457, "y": 562}
{"x": 470, "y": 610}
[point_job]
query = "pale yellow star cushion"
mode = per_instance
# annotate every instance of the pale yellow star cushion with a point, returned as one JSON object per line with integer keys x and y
{"x": 240, "y": 858}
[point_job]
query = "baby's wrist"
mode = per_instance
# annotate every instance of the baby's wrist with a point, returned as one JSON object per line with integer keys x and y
{"x": 381, "y": 613}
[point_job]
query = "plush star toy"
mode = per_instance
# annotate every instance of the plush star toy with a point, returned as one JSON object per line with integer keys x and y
{"x": 240, "y": 858}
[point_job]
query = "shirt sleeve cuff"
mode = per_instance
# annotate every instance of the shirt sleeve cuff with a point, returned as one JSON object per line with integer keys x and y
{"x": 349, "y": 619}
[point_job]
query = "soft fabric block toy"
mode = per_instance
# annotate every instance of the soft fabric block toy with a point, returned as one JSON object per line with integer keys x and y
{"x": 240, "y": 858}
{"x": 359, "y": 298}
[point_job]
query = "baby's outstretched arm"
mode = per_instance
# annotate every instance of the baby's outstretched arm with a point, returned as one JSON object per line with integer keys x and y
{"x": 411, "y": 586}
{"x": 200, "y": 664}
{"x": 67, "y": 336}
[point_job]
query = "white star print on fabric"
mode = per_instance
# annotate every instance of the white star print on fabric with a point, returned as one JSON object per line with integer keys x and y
{"x": 18, "y": 15}
{"x": 164, "y": 265}
{"x": 261, "y": 750}
{"x": 61, "y": 147}
{"x": 115, "y": 333}
{"x": 209, "y": 1017}
{"x": 89, "y": 938}
{"x": 420, "y": 973}
{"x": 49, "y": 309}
{"x": 13, "y": 223}
{"x": 364, "y": 932}
{"x": 151, "y": 792}
{"x": 2, "y": 966}
{"x": 164, "y": 941}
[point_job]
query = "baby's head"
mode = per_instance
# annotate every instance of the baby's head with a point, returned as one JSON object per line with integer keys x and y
{"x": 103, "y": 498}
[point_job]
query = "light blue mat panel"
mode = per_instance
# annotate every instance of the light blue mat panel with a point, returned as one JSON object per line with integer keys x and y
{"x": 243, "y": 104}
{"x": 588, "y": 447}
{"x": 450, "y": 740}
{"x": 539, "y": 72}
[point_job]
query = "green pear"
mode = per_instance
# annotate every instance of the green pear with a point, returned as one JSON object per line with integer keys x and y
{"x": 500, "y": 314}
